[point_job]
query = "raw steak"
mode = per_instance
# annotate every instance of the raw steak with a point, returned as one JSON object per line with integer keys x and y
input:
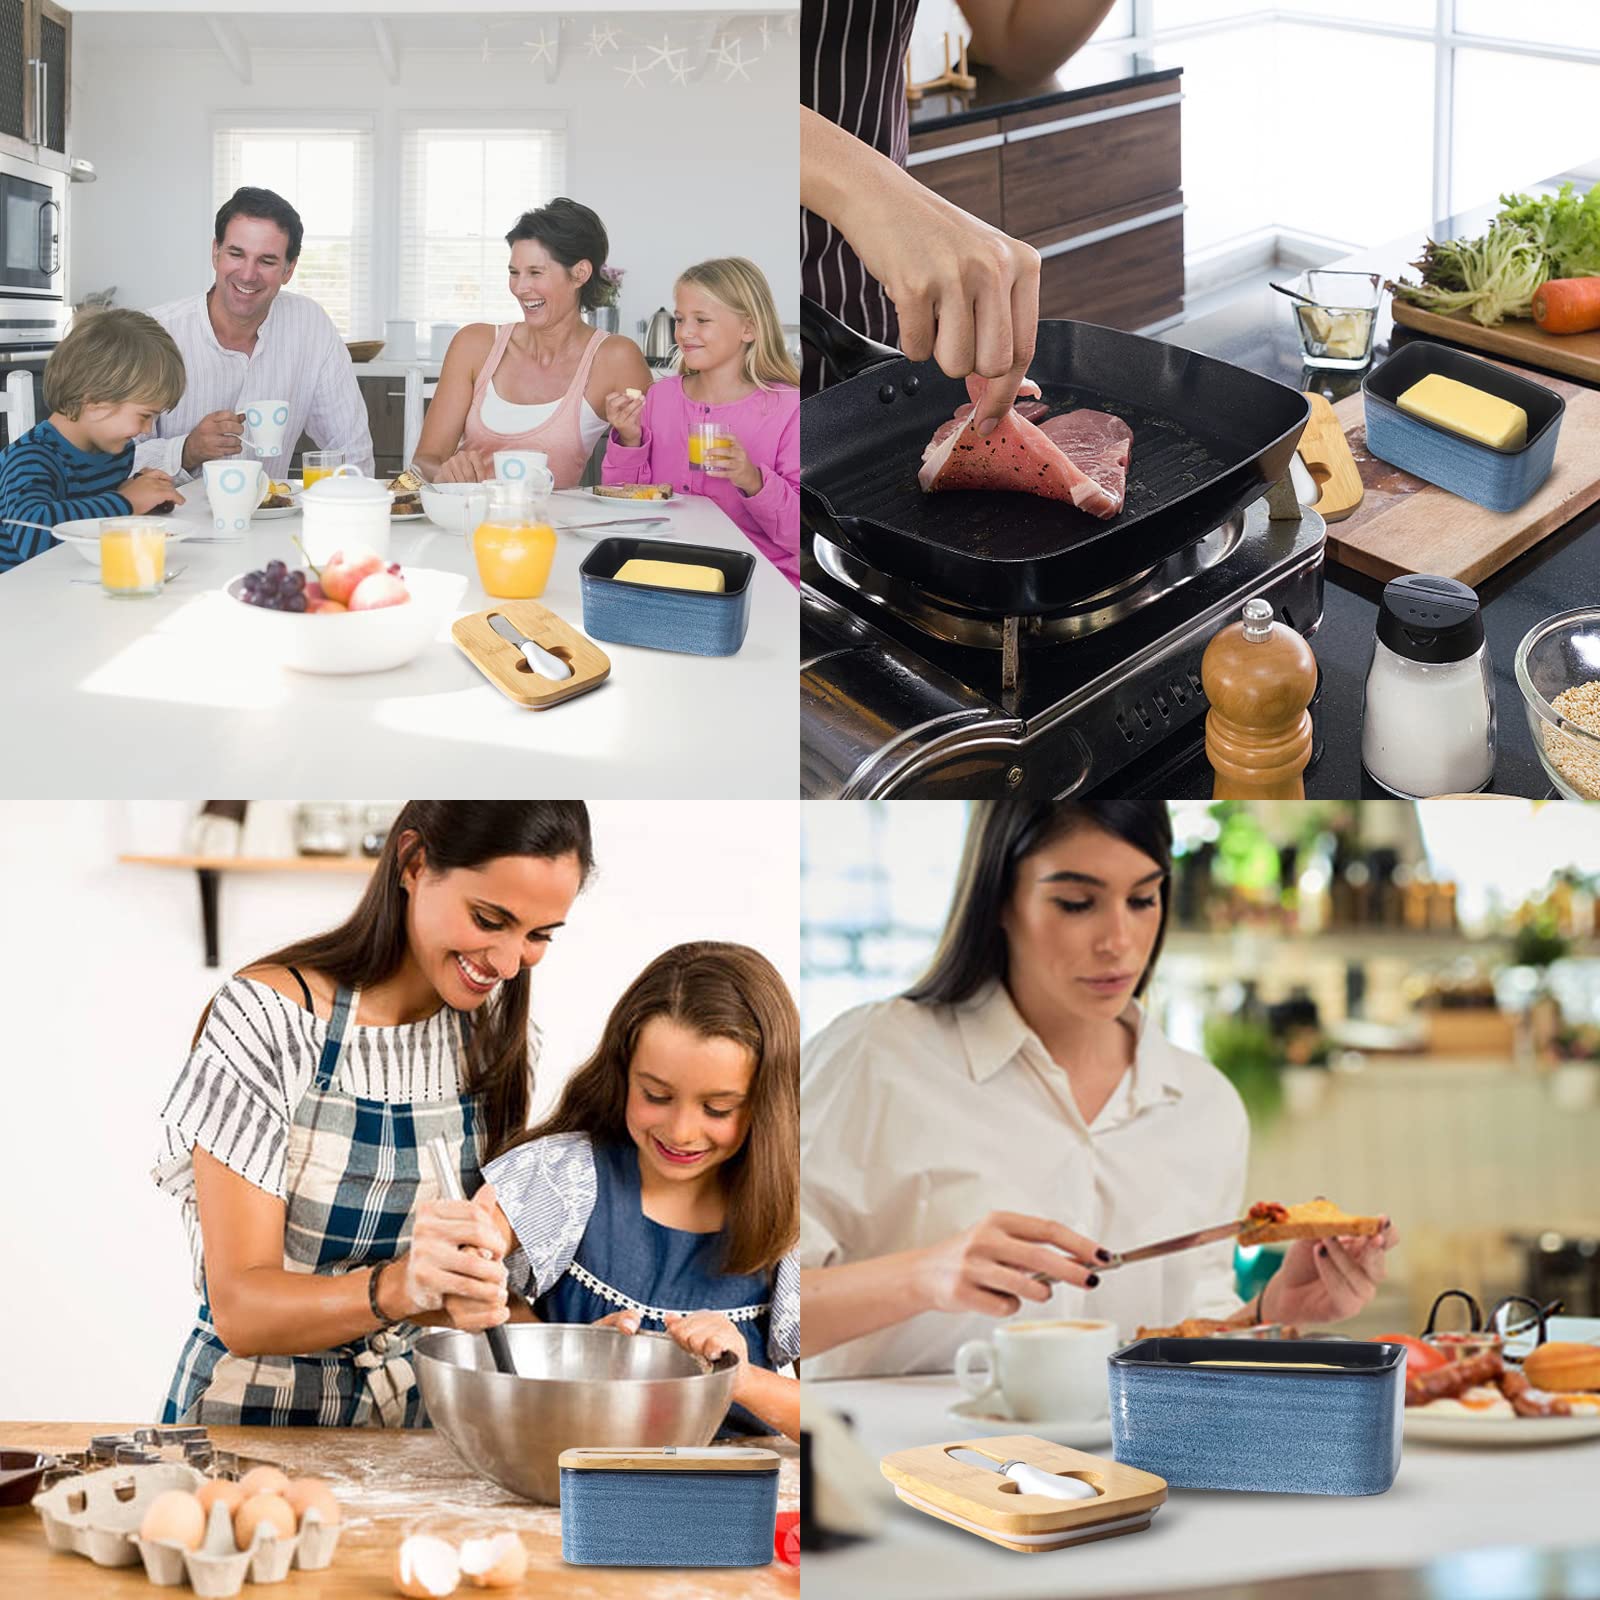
{"x": 1021, "y": 457}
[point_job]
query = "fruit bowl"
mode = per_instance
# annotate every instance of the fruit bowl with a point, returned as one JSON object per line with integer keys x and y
{"x": 447, "y": 504}
{"x": 355, "y": 641}
{"x": 1562, "y": 653}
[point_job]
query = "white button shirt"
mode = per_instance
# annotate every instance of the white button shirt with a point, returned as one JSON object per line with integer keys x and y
{"x": 299, "y": 357}
{"x": 916, "y": 1121}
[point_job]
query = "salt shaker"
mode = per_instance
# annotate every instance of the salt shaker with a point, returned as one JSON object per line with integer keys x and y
{"x": 1259, "y": 676}
{"x": 1427, "y": 725}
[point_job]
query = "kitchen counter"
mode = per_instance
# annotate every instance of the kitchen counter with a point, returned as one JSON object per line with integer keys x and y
{"x": 1258, "y": 331}
{"x": 1445, "y": 1501}
{"x": 1094, "y": 70}
{"x": 389, "y": 1483}
{"x": 112, "y": 696}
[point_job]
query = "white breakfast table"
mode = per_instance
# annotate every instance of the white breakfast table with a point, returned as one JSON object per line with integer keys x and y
{"x": 124, "y": 697}
{"x": 1445, "y": 1500}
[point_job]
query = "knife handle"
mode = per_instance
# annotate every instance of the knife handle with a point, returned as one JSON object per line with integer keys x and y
{"x": 1034, "y": 1480}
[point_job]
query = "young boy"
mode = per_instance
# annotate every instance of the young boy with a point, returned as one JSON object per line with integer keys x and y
{"x": 105, "y": 383}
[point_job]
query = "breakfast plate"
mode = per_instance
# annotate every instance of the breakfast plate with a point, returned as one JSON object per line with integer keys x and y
{"x": 1465, "y": 1429}
{"x": 985, "y": 1414}
{"x": 84, "y": 535}
{"x": 267, "y": 513}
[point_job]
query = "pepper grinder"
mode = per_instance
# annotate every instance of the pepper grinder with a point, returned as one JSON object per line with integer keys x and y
{"x": 1259, "y": 676}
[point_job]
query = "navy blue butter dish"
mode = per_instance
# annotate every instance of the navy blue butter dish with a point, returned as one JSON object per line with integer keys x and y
{"x": 714, "y": 1506}
{"x": 1501, "y": 480}
{"x": 1305, "y": 1416}
{"x": 688, "y": 620}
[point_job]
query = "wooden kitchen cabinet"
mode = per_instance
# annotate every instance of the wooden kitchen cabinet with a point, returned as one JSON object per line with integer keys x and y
{"x": 35, "y": 80}
{"x": 1092, "y": 181}
{"x": 386, "y": 416}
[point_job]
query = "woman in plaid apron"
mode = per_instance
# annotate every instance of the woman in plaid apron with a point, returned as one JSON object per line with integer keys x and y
{"x": 296, "y": 1140}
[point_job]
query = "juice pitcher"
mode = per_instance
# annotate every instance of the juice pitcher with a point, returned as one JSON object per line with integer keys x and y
{"x": 513, "y": 540}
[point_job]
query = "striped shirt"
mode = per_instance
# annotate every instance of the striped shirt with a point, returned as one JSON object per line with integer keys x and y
{"x": 299, "y": 357}
{"x": 853, "y": 72}
{"x": 46, "y": 478}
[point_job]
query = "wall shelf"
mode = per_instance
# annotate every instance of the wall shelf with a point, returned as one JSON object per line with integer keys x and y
{"x": 209, "y": 870}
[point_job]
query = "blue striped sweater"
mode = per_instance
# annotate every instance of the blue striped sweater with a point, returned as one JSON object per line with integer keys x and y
{"x": 46, "y": 478}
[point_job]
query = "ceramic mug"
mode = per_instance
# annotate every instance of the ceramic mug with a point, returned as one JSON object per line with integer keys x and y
{"x": 264, "y": 423}
{"x": 235, "y": 488}
{"x": 531, "y": 467}
{"x": 1042, "y": 1371}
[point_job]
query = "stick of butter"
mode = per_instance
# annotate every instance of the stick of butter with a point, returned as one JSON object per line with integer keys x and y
{"x": 672, "y": 575}
{"x": 1470, "y": 412}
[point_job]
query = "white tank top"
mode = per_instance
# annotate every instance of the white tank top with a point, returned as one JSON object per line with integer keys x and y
{"x": 501, "y": 416}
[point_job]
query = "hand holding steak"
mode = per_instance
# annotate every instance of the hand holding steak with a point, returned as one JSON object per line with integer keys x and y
{"x": 1080, "y": 456}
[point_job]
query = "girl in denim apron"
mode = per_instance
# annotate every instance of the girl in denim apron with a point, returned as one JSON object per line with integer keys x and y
{"x": 661, "y": 1196}
{"x": 294, "y": 1135}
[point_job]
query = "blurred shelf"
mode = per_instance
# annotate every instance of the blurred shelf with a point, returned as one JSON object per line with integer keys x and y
{"x": 209, "y": 870}
{"x": 1377, "y": 944}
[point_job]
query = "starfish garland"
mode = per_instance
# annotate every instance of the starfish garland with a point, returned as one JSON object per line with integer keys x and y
{"x": 543, "y": 49}
{"x": 633, "y": 72}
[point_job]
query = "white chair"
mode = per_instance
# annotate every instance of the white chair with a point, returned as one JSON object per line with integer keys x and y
{"x": 418, "y": 391}
{"x": 17, "y": 405}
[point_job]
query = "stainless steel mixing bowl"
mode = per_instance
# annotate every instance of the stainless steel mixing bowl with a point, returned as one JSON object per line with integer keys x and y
{"x": 576, "y": 1386}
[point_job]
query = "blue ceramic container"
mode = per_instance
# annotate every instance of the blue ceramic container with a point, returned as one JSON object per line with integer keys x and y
{"x": 710, "y": 1507}
{"x": 688, "y": 620}
{"x": 1267, "y": 1428}
{"x": 1498, "y": 479}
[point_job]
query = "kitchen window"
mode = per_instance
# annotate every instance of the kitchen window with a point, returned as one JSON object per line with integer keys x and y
{"x": 461, "y": 189}
{"x": 325, "y": 172}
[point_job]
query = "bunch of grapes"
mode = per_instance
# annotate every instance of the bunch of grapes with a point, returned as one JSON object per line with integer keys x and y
{"x": 275, "y": 587}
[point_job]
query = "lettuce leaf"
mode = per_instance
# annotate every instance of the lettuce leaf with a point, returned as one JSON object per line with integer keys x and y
{"x": 1565, "y": 225}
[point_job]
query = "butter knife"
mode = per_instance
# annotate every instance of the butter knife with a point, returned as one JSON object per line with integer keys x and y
{"x": 537, "y": 657}
{"x": 1168, "y": 1247}
{"x": 1032, "y": 1480}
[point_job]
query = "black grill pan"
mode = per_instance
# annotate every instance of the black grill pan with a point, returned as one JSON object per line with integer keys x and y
{"x": 1208, "y": 438}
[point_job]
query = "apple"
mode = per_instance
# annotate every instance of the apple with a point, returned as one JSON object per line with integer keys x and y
{"x": 314, "y": 592}
{"x": 344, "y": 569}
{"x": 379, "y": 589}
{"x": 317, "y": 606}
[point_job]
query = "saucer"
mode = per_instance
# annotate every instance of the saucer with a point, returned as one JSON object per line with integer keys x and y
{"x": 1076, "y": 1435}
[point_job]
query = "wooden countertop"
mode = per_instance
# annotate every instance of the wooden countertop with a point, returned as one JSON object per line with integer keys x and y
{"x": 390, "y": 1483}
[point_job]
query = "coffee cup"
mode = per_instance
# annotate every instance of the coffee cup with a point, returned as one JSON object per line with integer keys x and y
{"x": 264, "y": 424}
{"x": 1046, "y": 1371}
{"x": 235, "y": 488}
{"x": 531, "y": 467}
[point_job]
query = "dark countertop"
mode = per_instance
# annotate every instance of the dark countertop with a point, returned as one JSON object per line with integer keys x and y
{"x": 1093, "y": 70}
{"x": 1258, "y": 331}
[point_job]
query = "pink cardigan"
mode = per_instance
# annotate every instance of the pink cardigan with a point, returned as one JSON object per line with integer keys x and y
{"x": 766, "y": 424}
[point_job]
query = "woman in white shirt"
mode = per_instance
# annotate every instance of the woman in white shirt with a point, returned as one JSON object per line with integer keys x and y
{"x": 1018, "y": 1082}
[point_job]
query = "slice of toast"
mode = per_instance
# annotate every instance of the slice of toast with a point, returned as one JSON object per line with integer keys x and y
{"x": 1269, "y": 1223}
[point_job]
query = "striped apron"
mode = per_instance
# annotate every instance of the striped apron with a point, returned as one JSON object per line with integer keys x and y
{"x": 353, "y": 1181}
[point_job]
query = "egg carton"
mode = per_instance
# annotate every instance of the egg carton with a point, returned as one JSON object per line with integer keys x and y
{"x": 98, "y": 1516}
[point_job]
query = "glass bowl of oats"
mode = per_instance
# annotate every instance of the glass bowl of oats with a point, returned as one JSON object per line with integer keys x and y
{"x": 1558, "y": 674}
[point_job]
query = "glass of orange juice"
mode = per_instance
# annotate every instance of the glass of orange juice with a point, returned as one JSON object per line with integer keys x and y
{"x": 133, "y": 555}
{"x": 512, "y": 541}
{"x": 318, "y": 464}
{"x": 704, "y": 437}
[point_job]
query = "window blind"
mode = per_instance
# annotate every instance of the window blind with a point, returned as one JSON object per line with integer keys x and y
{"x": 461, "y": 191}
{"x": 325, "y": 173}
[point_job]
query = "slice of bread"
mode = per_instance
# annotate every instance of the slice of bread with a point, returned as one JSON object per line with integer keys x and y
{"x": 1312, "y": 1219}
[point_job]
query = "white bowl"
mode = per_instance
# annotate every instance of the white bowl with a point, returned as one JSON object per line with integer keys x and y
{"x": 355, "y": 641}
{"x": 446, "y": 504}
{"x": 84, "y": 536}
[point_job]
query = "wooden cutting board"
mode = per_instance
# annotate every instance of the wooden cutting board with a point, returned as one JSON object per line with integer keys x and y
{"x": 1404, "y": 524}
{"x": 1518, "y": 339}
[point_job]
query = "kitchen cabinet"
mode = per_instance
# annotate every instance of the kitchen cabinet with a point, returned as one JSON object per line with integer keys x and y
{"x": 1089, "y": 173}
{"x": 35, "y": 80}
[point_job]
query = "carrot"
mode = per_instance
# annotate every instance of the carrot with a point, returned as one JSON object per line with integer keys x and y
{"x": 1568, "y": 305}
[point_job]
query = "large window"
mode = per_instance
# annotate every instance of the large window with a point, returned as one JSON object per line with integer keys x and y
{"x": 461, "y": 190}
{"x": 325, "y": 173}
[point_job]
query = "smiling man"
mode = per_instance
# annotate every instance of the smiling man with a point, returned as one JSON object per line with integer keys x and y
{"x": 245, "y": 339}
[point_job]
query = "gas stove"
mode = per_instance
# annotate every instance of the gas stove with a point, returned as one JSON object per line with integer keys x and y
{"x": 904, "y": 693}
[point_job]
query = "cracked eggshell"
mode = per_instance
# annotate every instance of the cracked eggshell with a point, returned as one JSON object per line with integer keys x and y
{"x": 426, "y": 1568}
{"x": 498, "y": 1562}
